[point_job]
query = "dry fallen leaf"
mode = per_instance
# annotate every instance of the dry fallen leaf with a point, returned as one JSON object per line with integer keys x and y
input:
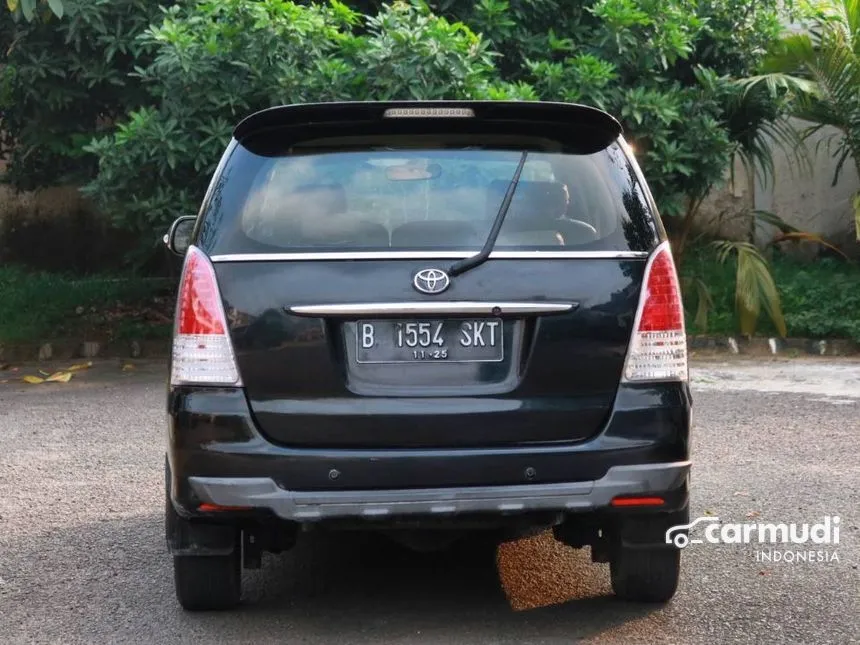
{"x": 44, "y": 373}
{"x": 752, "y": 514}
{"x": 59, "y": 377}
{"x": 707, "y": 512}
{"x": 79, "y": 366}
{"x": 33, "y": 380}
{"x": 4, "y": 366}
{"x": 127, "y": 367}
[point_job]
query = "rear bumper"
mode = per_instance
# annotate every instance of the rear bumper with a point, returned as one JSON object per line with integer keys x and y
{"x": 308, "y": 506}
{"x": 218, "y": 456}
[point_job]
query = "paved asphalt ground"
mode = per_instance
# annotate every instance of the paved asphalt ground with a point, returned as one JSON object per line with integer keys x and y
{"x": 82, "y": 558}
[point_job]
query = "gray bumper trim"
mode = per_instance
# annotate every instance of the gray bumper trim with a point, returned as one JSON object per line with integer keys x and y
{"x": 308, "y": 506}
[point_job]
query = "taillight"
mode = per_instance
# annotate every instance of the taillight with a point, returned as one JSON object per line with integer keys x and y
{"x": 658, "y": 347}
{"x": 202, "y": 351}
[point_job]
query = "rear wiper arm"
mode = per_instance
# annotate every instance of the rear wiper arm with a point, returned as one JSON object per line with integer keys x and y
{"x": 476, "y": 260}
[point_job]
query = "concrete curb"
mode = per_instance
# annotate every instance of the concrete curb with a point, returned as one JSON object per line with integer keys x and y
{"x": 64, "y": 350}
{"x": 787, "y": 347}
{"x": 730, "y": 345}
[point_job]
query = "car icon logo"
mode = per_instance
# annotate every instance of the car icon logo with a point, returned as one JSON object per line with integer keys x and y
{"x": 431, "y": 281}
{"x": 678, "y": 535}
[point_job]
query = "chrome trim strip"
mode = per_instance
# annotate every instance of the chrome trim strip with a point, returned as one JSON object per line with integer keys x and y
{"x": 440, "y": 307}
{"x": 425, "y": 255}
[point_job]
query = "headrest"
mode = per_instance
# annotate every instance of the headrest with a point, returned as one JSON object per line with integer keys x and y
{"x": 533, "y": 200}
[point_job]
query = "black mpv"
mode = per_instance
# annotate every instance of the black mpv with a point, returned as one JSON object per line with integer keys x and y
{"x": 428, "y": 319}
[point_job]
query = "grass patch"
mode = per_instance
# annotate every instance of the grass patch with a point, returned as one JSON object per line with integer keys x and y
{"x": 820, "y": 299}
{"x": 44, "y": 306}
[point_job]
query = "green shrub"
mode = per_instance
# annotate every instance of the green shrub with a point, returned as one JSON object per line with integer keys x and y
{"x": 161, "y": 100}
{"x": 819, "y": 299}
{"x": 65, "y": 80}
{"x": 214, "y": 62}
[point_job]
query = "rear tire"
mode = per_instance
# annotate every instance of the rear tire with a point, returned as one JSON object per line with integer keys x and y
{"x": 203, "y": 582}
{"x": 645, "y": 575}
{"x": 208, "y": 582}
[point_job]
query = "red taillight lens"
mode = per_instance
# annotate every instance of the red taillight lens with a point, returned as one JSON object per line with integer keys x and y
{"x": 202, "y": 351}
{"x": 199, "y": 302}
{"x": 658, "y": 346}
{"x": 661, "y": 309}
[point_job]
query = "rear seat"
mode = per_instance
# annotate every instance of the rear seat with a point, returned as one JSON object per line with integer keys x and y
{"x": 535, "y": 217}
{"x": 317, "y": 215}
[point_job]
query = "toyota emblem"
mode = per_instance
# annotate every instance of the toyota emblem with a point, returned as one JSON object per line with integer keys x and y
{"x": 431, "y": 281}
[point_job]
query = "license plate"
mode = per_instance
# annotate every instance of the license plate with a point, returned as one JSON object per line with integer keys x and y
{"x": 427, "y": 341}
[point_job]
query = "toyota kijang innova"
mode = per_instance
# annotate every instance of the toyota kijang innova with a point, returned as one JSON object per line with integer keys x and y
{"x": 427, "y": 319}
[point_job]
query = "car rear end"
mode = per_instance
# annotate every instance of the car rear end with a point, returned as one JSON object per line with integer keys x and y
{"x": 424, "y": 317}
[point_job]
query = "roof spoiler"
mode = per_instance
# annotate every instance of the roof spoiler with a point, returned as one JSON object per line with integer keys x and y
{"x": 602, "y": 128}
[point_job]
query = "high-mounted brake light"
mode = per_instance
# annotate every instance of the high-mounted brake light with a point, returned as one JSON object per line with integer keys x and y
{"x": 202, "y": 351}
{"x": 658, "y": 347}
{"x": 423, "y": 112}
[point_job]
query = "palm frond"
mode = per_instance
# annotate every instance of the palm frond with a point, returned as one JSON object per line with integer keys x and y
{"x": 814, "y": 238}
{"x": 774, "y": 220}
{"x": 755, "y": 289}
{"x": 844, "y": 154}
{"x": 776, "y": 82}
{"x": 819, "y": 73}
{"x": 857, "y": 215}
{"x": 695, "y": 289}
{"x": 792, "y": 52}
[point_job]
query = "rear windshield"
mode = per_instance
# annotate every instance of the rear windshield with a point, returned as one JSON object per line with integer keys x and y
{"x": 417, "y": 197}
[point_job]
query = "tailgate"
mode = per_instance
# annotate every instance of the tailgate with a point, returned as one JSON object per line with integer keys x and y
{"x": 549, "y": 374}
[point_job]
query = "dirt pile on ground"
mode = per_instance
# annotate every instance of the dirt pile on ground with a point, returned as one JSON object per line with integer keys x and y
{"x": 540, "y": 572}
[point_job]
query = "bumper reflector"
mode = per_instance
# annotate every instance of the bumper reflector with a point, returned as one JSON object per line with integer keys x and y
{"x": 210, "y": 508}
{"x": 638, "y": 501}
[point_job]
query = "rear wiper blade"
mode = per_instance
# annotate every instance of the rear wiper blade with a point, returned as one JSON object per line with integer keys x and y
{"x": 476, "y": 260}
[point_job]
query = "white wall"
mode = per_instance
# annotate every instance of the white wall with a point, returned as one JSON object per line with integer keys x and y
{"x": 803, "y": 198}
{"x": 808, "y": 200}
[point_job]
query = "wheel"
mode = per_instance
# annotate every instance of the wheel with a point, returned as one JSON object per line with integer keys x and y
{"x": 206, "y": 582}
{"x": 645, "y": 574}
{"x": 203, "y": 581}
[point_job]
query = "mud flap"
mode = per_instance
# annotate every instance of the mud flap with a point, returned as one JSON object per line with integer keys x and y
{"x": 188, "y": 537}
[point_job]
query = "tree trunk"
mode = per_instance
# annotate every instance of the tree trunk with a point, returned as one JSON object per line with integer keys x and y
{"x": 686, "y": 228}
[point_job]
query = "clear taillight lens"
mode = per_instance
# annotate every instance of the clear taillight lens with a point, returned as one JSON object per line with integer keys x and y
{"x": 202, "y": 351}
{"x": 658, "y": 347}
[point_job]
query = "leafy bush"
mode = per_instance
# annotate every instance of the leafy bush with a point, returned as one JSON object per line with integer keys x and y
{"x": 29, "y": 9}
{"x": 664, "y": 67}
{"x": 65, "y": 80}
{"x": 215, "y": 61}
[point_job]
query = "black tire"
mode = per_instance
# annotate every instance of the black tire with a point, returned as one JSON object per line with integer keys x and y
{"x": 208, "y": 582}
{"x": 203, "y": 582}
{"x": 645, "y": 575}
